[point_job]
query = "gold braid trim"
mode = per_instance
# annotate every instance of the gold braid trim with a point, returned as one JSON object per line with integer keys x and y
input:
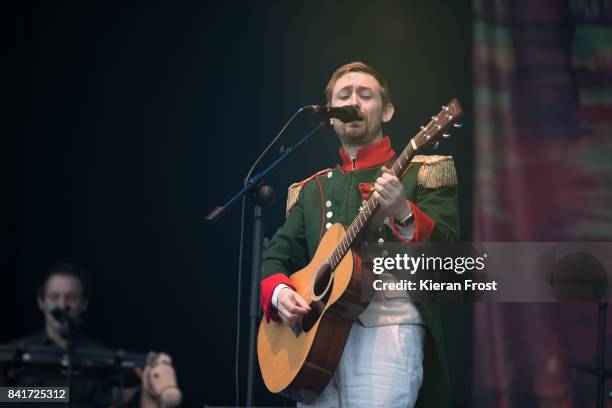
{"x": 294, "y": 190}
{"x": 436, "y": 171}
{"x": 292, "y": 196}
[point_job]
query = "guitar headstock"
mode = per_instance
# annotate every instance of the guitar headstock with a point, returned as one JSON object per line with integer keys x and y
{"x": 438, "y": 125}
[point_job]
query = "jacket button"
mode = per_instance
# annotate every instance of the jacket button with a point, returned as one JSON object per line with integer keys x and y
{"x": 328, "y": 203}
{"x": 330, "y": 174}
{"x": 329, "y": 214}
{"x": 381, "y": 241}
{"x": 328, "y": 225}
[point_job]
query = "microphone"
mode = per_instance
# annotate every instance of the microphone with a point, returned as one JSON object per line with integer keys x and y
{"x": 344, "y": 113}
{"x": 59, "y": 314}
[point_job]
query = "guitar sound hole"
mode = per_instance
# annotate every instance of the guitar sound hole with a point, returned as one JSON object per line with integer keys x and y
{"x": 322, "y": 289}
{"x": 322, "y": 280}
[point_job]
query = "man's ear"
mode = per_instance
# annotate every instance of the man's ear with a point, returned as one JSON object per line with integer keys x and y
{"x": 387, "y": 113}
{"x": 41, "y": 304}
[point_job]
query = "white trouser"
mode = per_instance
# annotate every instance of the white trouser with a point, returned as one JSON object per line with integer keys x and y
{"x": 381, "y": 366}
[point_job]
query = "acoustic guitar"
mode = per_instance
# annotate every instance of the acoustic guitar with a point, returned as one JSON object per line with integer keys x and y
{"x": 299, "y": 361}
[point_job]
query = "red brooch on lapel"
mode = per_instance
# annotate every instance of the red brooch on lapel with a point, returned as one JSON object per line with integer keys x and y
{"x": 366, "y": 189}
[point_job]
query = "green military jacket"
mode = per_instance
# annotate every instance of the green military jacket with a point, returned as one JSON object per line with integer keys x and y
{"x": 334, "y": 196}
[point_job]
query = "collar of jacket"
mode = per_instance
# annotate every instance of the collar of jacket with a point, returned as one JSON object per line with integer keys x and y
{"x": 373, "y": 155}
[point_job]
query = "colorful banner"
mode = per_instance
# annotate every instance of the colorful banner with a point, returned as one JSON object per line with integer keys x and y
{"x": 543, "y": 110}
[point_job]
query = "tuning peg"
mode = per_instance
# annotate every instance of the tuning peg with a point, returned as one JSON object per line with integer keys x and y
{"x": 458, "y": 125}
{"x": 446, "y": 135}
{"x": 423, "y": 128}
{"x": 427, "y": 137}
{"x": 434, "y": 118}
{"x": 436, "y": 145}
{"x": 438, "y": 127}
{"x": 449, "y": 117}
{"x": 445, "y": 108}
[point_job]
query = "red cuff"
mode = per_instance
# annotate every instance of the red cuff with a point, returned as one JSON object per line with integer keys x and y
{"x": 423, "y": 225}
{"x": 267, "y": 290}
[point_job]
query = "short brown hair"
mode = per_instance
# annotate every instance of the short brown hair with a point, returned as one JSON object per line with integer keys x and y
{"x": 358, "y": 66}
{"x": 65, "y": 268}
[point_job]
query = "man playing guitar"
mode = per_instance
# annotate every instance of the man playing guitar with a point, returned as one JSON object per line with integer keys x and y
{"x": 394, "y": 342}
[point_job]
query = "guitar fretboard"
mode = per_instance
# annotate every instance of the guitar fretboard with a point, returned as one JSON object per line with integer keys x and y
{"x": 369, "y": 209}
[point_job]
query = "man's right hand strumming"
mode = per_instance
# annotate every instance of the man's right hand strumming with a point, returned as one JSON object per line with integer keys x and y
{"x": 291, "y": 306}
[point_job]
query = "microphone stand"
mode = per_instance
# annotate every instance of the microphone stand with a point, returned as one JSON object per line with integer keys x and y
{"x": 263, "y": 196}
{"x": 68, "y": 331}
{"x": 601, "y": 354}
{"x": 118, "y": 360}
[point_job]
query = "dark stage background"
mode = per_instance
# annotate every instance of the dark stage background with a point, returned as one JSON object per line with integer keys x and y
{"x": 134, "y": 121}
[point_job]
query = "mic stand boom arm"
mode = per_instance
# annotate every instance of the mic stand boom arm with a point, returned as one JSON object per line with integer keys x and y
{"x": 256, "y": 180}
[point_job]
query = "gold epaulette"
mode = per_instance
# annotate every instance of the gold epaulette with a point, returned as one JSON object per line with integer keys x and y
{"x": 436, "y": 171}
{"x": 294, "y": 190}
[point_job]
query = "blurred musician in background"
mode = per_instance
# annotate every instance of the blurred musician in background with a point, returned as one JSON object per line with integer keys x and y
{"x": 63, "y": 297}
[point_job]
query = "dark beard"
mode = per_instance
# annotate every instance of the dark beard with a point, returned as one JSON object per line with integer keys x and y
{"x": 356, "y": 136}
